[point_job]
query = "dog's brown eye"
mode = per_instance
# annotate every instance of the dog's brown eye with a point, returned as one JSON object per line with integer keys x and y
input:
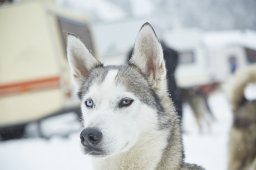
{"x": 125, "y": 102}
{"x": 89, "y": 103}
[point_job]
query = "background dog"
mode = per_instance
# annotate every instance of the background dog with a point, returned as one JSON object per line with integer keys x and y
{"x": 242, "y": 142}
{"x": 197, "y": 99}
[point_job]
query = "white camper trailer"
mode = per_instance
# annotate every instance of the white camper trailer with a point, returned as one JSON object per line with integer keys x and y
{"x": 226, "y": 61}
{"x": 34, "y": 79}
{"x": 34, "y": 76}
{"x": 193, "y": 58}
{"x": 229, "y": 51}
{"x": 207, "y": 58}
{"x": 31, "y": 64}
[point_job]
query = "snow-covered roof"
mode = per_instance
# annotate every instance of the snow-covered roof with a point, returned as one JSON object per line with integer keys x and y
{"x": 221, "y": 39}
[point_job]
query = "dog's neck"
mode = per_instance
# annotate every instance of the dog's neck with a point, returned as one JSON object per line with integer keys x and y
{"x": 145, "y": 155}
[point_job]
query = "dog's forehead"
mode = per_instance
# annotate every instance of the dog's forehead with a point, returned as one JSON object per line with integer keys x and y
{"x": 126, "y": 76}
{"x": 114, "y": 76}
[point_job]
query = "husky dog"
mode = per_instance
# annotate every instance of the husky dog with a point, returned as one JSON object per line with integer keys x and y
{"x": 129, "y": 121}
{"x": 196, "y": 98}
{"x": 242, "y": 147}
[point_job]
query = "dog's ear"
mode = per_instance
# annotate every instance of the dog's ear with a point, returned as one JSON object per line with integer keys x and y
{"x": 148, "y": 56}
{"x": 80, "y": 60}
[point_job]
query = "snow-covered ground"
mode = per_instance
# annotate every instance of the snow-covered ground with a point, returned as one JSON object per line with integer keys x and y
{"x": 207, "y": 149}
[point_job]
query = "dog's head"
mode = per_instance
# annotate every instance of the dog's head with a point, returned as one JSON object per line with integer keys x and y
{"x": 119, "y": 103}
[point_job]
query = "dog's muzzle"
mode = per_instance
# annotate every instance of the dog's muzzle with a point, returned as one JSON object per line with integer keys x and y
{"x": 90, "y": 139}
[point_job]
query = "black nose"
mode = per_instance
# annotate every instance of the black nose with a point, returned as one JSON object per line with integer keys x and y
{"x": 90, "y": 136}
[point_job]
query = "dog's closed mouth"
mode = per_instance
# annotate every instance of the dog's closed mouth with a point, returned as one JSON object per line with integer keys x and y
{"x": 93, "y": 151}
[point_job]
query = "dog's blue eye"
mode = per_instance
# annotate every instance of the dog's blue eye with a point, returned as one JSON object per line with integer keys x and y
{"x": 125, "y": 102}
{"x": 89, "y": 103}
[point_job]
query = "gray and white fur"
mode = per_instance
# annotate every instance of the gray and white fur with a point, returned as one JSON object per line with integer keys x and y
{"x": 242, "y": 137}
{"x": 129, "y": 120}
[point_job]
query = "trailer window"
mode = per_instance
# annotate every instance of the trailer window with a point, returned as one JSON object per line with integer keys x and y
{"x": 186, "y": 57}
{"x": 79, "y": 29}
{"x": 250, "y": 55}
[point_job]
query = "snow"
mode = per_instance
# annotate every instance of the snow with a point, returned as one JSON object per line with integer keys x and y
{"x": 222, "y": 39}
{"x": 208, "y": 149}
{"x": 99, "y": 9}
{"x": 173, "y": 13}
{"x": 142, "y": 8}
{"x": 31, "y": 154}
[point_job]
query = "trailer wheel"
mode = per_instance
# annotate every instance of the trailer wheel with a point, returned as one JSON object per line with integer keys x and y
{"x": 12, "y": 132}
